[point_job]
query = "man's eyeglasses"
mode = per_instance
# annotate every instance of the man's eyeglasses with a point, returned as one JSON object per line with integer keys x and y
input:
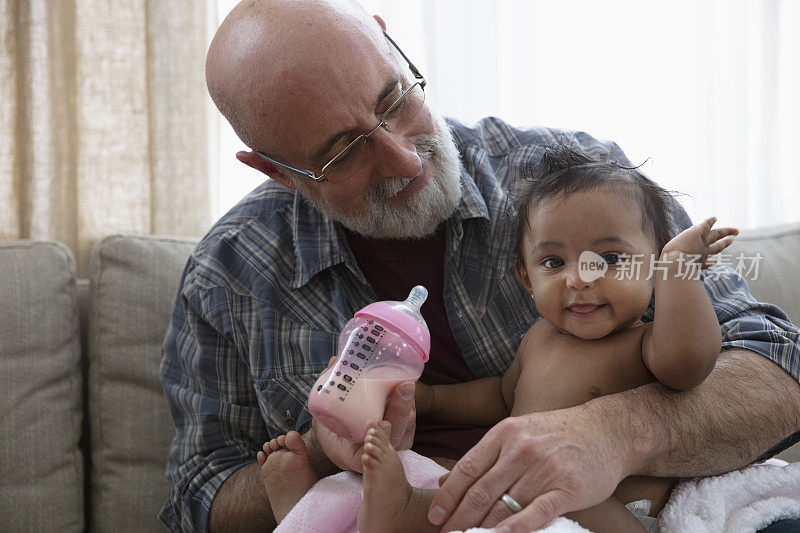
{"x": 398, "y": 118}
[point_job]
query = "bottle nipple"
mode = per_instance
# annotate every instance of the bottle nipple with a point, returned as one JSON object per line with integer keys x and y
{"x": 417, "y": 297}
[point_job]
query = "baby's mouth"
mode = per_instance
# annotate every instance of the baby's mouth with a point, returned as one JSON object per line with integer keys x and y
{"x": 584, "y": 309}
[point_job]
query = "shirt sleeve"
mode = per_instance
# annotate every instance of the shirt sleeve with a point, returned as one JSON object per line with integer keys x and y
{"x": 212, "y": 400}
{"x": 747, "y": 323}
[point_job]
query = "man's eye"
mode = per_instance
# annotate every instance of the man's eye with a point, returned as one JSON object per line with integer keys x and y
{"x": 342, "y": 158}
{"x": 553, "y": 262}
{"x": 395, "y": 110}
{"x": 612, "y": 258}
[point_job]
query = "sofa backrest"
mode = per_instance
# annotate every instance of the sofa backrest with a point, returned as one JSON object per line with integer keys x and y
{"x": 41, "y": 466}
{"x": 133, "y": 283}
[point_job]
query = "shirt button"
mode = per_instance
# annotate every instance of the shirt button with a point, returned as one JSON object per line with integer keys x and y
{"x": 289, "y": 422}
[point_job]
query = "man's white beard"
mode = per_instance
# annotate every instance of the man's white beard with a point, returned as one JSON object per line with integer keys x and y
{"x": 422, "y": 213}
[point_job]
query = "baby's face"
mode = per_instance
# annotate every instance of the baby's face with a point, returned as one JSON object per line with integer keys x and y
{"x": 606, "y": 222}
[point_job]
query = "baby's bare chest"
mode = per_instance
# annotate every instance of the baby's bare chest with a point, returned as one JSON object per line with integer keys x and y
{"x": 558, "y": 371}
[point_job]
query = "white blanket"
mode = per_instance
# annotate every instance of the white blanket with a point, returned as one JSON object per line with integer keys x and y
{"x": 745, "y": 500}
{"x": 742, "y": 501}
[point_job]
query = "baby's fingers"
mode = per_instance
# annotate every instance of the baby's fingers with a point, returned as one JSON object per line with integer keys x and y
{"x": 718, "y": 246}
{"x": 706, "y": 225}
{"x": 721, "y": 239}
{"x": 716, "y": 234}
{"x": 719, "y": 234}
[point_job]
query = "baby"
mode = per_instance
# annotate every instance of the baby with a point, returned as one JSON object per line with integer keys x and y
{"x": 592, "y": 246}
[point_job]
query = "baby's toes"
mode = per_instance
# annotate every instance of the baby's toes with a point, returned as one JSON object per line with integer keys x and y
{"x": 294, "y": 442}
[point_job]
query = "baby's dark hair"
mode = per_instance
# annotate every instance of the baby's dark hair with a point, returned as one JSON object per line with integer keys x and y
{"x": 565, "y": 170}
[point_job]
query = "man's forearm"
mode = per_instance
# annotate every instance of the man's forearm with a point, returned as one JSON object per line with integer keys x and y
{"x": 745, "y": 406}
{"x": 241, "y": 503}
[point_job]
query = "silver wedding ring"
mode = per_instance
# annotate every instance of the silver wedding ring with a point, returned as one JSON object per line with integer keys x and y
{"x": 511, "y": 502}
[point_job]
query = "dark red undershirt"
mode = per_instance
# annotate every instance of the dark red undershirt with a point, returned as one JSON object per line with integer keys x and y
{"x": 392, "y": 268}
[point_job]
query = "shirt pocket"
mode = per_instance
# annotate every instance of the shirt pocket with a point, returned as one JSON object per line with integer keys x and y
{"x": 283, "y": 401}
{"x": 291, "y": 356}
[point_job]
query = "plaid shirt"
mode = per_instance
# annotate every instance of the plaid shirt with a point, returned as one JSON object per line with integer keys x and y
{"x": 266, "y": 292}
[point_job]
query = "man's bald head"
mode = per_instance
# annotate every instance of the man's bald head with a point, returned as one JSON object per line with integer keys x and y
{"x": 267, "y": 53}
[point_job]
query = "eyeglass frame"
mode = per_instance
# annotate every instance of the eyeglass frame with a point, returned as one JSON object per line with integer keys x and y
{"x": 364, "y": 136}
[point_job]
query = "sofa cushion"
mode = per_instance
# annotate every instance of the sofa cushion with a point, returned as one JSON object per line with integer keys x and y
{"x": 778, "y": 275}
{"x": 133, "y": 283}
{"x": 41, "y": 467}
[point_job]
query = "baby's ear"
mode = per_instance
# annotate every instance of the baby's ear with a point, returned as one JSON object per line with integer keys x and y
{"x": 522, "y": 275}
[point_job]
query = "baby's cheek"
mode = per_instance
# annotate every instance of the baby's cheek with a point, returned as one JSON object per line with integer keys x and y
{"x": 633, "y": 294}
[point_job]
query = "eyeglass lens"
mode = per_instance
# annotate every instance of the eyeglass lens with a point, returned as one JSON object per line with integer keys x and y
{"x": 397, "y": 119}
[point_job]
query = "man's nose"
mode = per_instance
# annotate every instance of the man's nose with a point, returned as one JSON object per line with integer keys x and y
{"x": 395, "y": 154}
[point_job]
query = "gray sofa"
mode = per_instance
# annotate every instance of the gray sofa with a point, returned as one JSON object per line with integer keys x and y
{"x": 85, "y": 428}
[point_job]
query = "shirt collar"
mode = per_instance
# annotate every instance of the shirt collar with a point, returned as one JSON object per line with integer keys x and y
{"x": 472, "y": 204}
{"x": 319, "y": 245}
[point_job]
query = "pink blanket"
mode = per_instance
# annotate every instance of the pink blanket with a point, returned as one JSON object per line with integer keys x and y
{"x": 331, "y": 506}
{"x": 743, "y": 500}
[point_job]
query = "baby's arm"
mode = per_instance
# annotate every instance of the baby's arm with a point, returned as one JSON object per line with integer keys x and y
{"x": 685, "y": 340}
{"x": 480, "y": 402}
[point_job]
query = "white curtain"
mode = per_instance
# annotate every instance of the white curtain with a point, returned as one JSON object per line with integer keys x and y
{"x": 103, "y": 120}
{"x": 708, "y": 90}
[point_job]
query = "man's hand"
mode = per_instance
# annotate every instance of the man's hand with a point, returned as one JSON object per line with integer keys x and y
{"x": 345, "y": 454}
{"x": 551, "y": 463}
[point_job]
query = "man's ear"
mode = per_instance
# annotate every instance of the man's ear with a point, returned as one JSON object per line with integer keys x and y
{"x": 253, "y": 160}
{"x": 522, "y": 275}
{"x": 380, "y": 21}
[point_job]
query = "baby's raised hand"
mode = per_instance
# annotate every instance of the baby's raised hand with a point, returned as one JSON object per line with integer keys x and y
{"x": 700, "y": 241}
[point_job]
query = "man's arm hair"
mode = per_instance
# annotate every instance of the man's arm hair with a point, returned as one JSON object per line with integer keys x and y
{"x": 241, "y": 503}
{"x": 745, "y": 406}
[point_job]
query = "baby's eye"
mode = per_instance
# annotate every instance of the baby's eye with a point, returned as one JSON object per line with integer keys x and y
{"x": 553, "y": 262}
{"x": 612, "y": 258}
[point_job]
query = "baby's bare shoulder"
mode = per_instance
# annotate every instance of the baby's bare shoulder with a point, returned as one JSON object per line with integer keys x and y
{"x": 537, "y": 342}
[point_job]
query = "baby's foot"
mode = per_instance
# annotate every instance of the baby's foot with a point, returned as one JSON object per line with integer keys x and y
{"x": 390, "y": 503}
{"x": 286, "y": 473}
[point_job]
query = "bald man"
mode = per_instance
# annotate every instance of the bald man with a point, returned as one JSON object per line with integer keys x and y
{"x": 372, "y": 192}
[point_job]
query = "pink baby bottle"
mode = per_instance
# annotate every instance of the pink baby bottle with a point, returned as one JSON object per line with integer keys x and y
{"x": 385, "y": 344}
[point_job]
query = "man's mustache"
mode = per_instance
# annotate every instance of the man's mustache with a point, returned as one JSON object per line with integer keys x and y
{"x": 426, "y": 144}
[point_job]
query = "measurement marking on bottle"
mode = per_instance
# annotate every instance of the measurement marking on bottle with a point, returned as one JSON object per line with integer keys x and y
{"x": 362, "y": 350}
